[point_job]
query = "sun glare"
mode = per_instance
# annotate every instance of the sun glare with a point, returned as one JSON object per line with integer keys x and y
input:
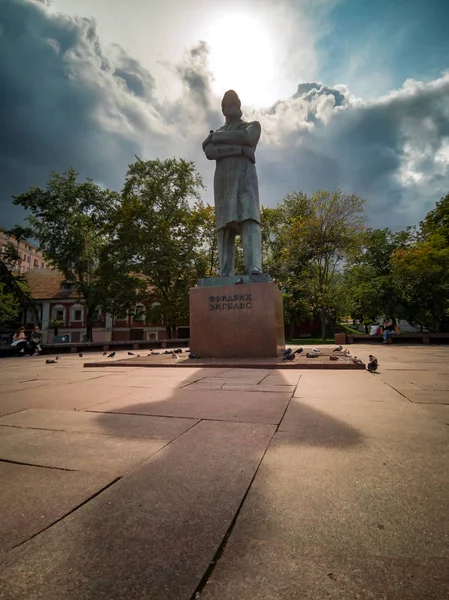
{"x": 242, "y": 58}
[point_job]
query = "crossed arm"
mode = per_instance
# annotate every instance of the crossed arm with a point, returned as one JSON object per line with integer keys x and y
{"x": 221, "y": 144}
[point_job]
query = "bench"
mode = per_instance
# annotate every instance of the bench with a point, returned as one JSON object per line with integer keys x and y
{"x": 424, "y": 338}
{"x": 74, "y": 347}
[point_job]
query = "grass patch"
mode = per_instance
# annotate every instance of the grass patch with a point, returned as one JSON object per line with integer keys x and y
{"x": 350, "y": 330}
{"x": 309, "y": 341}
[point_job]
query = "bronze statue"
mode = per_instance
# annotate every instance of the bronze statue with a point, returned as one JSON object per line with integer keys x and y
{"x": 236, "y": 189}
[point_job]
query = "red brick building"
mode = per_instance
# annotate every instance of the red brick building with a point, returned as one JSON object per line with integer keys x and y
{"x": 59, "y": 300}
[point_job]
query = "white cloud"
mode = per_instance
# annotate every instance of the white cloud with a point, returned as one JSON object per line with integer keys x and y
{"x": 71, "y": 102}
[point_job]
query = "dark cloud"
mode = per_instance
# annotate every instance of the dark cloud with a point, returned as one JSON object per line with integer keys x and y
{"x": 61, "y": 104}
{"x": 135, "y": 77}
{"x": 65, "y": 100}
{"x": 196, "y": 77}
{"x": 394, "y": 151}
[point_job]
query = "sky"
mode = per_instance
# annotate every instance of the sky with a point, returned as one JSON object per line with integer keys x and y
{"x": 351, "y": 94}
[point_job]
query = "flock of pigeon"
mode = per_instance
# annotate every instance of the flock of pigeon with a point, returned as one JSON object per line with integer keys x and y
{"x": 290, "y": 355}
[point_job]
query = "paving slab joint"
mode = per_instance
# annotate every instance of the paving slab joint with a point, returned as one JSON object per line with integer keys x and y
{"x": 222, "y": 547}
{"x": 94, "y": 495}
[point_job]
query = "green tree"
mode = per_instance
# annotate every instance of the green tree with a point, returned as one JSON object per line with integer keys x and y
{"x": 309, "y": 241}
{"x": 422, "y": 271}
{"x": 71, "y": 221}
{"x": 160, "y": 236}
{"x": 437, "y": 220}
{"x": 372, "y": 285}
{"x": 9, "y": 305}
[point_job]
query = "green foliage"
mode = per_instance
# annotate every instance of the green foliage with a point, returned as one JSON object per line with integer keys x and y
{"x": 55, "y": 324}
{"x": 422, "y": 272}
{"x": 71, "y": 221}
{"x": 9, "y": 304}
{"x": 306, "y": 241}
{"x": 372, "y": 287}
{"x": 437, "y": 220}
{"x": 160, "y": 236}
{"x": 405, "y": 274}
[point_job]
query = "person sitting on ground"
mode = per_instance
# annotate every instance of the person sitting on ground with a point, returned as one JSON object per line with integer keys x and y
{"x": 35, "y": 341}
{"x": 387, "y": 330}
{"x": 19, "y": 341}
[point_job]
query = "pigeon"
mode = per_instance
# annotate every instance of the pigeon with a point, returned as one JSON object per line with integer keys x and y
{"x": 111, "y": 355}
{"x": 80, "y": 355}
{"x": 192, "y": 355}
{"x": 178, "y": 351}
{"x": 131, "y": 354}
{"x": 104, "y": 353}
{"x": 312, "y": 355}
{"x": 287, "y": 351}
{"x": 239, "y": 281}
{"x": 58, "y": 358}
{"x": 50, "y": 362}
{"x": 316, "y": 350}
{"x": 373, "y": 364}
{"x": 339, "y": 349}
{"x": 333, "y": 357}
{"x": 174, "y": 355}
{"x": 290, "y": 356}
{"x": 299, "y": 350}
{"x": 357, "y": 361}
{"x": 348, "y": 352}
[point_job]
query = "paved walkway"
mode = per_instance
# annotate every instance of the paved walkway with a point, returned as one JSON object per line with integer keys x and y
{"x": 220, "y": 484}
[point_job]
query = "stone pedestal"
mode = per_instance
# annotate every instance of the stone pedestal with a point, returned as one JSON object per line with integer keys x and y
{"x": 237, "y": 321}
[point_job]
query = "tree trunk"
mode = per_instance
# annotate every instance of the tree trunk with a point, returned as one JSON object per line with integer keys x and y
{"x": 55, "y": 331}
{"x": 168, "y": 332}
{"x": 323, "y": 325}
{"x": 291, "y": 330}
{"x": 89, "y": 323}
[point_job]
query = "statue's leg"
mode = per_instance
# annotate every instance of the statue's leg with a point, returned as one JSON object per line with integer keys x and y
{"x": 226, "y": 251}
{"x": 252, "y": 246}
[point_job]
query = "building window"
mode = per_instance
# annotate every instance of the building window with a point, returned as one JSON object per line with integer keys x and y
{"x": 77, "y": 316}
{"x": 139, "y": 313}
{"x": 60, "y": 315}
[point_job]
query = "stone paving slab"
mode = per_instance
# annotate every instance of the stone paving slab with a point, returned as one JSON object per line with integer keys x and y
{"x": 150, "y": 535}
{"x": 32, "y": 498}
{"x": 427, "y": 396}
{"x": 355, "y": 385}
{"x": 58, "y": 397}
{"x": 76, "y": 451}
{"x": 254, "y": 569}
{"x": 360, "y": 513}
{"x": 252, "y": 407}
{"x": 165, "y": 428}
{"x": 223, "y": 384}
{"x": 342, "y": 421}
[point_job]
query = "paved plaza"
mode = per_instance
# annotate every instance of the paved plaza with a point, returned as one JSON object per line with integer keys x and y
{"x": 225, "y": 484}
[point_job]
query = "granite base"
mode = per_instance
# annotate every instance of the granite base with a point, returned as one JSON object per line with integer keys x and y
{"x": 237, "y": 321}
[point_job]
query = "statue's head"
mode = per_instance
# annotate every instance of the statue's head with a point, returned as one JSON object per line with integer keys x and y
{"x": 230, "y": 105}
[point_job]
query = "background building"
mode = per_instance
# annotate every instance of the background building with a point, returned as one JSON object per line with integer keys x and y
{"x": 31, "y": 257}
{"x": 57, "y": 299}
